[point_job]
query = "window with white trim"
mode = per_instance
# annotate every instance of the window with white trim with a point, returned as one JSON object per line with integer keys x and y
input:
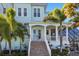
{"x": 19, "y": 11}
{"x": 25, "y": 11}
{"x": 36, "y": 12}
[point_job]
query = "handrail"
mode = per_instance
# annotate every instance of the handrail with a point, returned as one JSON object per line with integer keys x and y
{"x": 49, "y": 50}
{"x": 29, "y": 48}
{"x": 75, "y": 33}
{"x": 29, "y": 43}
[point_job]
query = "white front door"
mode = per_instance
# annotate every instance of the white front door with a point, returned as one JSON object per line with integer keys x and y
{"x": 36, "y": 34}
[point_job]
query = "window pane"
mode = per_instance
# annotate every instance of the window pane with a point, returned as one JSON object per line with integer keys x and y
{"x": 25, "y": 11}
{"x": 39, "y": 34}
{"x": 39, "y": 31}
{"x": 4, "y": 10}
{"x": 38, "y": 12}
{"x": 34, "y": 31}
{"x": 53, "y": 32}
{"x": 47, "y": 32}
{"x": 19, "y": 11}
{"x": 34, "y": 12}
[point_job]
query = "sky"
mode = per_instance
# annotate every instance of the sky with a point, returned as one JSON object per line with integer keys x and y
{"x": 51, "y": 6}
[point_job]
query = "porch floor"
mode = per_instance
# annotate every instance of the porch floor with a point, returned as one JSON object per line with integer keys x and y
{"x": 38, "y": 48}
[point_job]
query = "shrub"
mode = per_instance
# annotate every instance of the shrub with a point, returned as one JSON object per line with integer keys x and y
{"x": 14, "y": 53}
{"x": 56, "y": 52}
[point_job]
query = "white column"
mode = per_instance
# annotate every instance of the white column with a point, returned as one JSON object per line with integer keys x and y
{"x": 66, "y": 32}
{"x": 56, "y": 32}
{"x": 30, "y": 33}
{"x": 46, "y": 41}
{"x": 45, "y": 32}
{"x": 30, "y": 41}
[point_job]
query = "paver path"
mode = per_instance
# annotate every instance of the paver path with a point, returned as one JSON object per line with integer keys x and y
{"x": 38, "y": 48}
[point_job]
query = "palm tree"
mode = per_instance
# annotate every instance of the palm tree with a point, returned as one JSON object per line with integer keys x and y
{"x": 20, "y": 33}
{"x": 57, "y": 16}
{"x": 12, "y": 27}
{"x": 70, "y": 11}
{"x": 3, "y": 26}
{"x": 1, "y": 21}
{"x": 16, "y": 29}
{"x": 10, "y": 14}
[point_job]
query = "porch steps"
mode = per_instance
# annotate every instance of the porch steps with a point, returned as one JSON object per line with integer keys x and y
{"x": 38, "y": 48}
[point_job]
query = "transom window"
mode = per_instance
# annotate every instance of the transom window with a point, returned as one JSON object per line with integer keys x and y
{"x": 25, "y": 11}
{"x": 36, "y": 12}
{"x": 19, "y": 11}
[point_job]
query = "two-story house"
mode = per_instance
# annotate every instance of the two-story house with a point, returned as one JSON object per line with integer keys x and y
{"x": 40, "y": 32}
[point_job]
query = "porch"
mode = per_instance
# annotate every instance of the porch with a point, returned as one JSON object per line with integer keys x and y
{"x": 47, "y": 32}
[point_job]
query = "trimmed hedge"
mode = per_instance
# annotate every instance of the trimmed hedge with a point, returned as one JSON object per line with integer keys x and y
{"x": 14, "y": 53}
{"x": 56, "y": 52}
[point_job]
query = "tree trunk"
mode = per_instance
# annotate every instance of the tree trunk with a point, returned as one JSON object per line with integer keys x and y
{"x": 61, "y": 36}
{"x": 10, "y": 47}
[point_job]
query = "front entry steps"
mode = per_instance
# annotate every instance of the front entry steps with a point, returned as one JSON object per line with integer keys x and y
{"x": 38, "y": 48}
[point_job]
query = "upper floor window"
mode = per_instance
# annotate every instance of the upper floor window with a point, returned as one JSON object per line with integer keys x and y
{"x": 25, "y": 11}
{"x": 19, "y": 11}
{"x": 36, "y": 12}
{"x": 4, "y": 10}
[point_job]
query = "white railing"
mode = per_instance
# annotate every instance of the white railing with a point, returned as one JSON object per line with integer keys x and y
{"x": 49, "y": 38}
{"x": 29, "y": 47}
{"x": 48, "y": 48}
{"x": 63, "y": 37}
{"x": 29, "y": 43}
